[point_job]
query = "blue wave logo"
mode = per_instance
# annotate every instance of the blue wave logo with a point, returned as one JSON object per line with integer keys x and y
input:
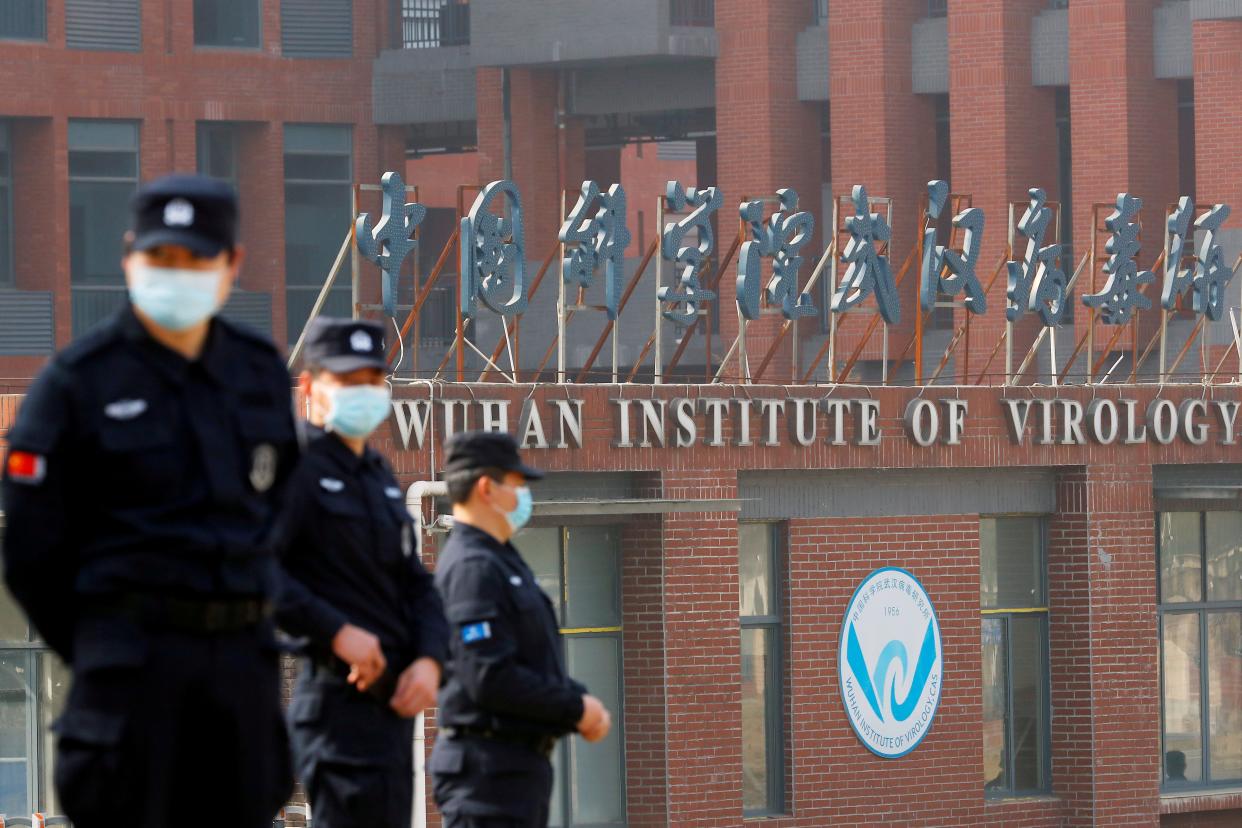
{"x": 871, "y": 682}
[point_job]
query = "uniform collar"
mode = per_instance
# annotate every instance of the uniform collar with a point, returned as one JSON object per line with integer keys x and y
{"x": 168, "y": 362}
{"x": 470, "y": 531}
{"x": 338, "y": 452}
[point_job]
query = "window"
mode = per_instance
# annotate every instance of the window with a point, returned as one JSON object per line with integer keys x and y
{"x": 937, "y": 8}
{"x": 33, "y": 686}
{"x": 579, "y": 570}
{"x": 1186, "y": 138}
{"x": 1065, "y": 184}
{"x": 819, "y": 11}
{"x": 103, "y": 174}
{"x": 1200, "y": 557}
{"x": 23, "y": 20}
{"x": 6, "y": 207}
{"x": 216, "y": 146}
{"x": 228, "y": 23}
{"x": 763, "y": 741}
{"x": 1014, "y": 603}
{"x": 427, "y": 24}
{"x": 318, "y": 217}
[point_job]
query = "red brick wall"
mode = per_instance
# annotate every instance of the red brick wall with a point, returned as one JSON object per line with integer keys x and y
{"x": 1003, "y": 133}
{"x": 646, "y": 760}
{"x": 702, "y": 642}
{"x": 766, "y": 140}
{"x": 1124, "y": 127}
{"x": 1218, "y": 113}
{"x": 883, "y": 135}
{"x": 169, "y": 87}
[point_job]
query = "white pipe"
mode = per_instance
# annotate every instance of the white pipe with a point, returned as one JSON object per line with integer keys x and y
{"x": 414, "y": 504}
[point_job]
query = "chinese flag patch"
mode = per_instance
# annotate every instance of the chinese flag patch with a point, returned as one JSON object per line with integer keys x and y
{"x": 24, "y": 467}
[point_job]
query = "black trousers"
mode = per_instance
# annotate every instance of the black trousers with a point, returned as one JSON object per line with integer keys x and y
{"x": 353, "y": 753}
{"x": 480, "y": 783}
{"x": 172, "y": 729}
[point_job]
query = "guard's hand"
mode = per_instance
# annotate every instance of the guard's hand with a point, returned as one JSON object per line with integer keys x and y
{"x": 361, "y": 651}
{"x": 416, "y": 688}
{"x": 596, "y": 721}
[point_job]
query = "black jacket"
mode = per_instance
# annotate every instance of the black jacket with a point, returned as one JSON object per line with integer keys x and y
{"x": 506, "y": 669}
{"x": 134, "y": 470}
{"x": 346, "y": 544}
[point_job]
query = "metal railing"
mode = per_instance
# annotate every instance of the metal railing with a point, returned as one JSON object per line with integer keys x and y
{"x": 692, "y": 12}
{"x": 430, "y": 24}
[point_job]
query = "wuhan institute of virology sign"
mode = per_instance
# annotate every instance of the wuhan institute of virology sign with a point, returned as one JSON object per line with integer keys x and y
{"x": 891, "y": 662}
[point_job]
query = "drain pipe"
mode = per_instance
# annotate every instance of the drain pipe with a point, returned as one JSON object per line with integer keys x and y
{"x": 414, "y": 497}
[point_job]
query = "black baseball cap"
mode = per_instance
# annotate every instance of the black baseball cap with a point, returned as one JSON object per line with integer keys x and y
{"x": 191, "y": 211}
{"x": 471, "y": 451}
{"x": 344, "y": 345}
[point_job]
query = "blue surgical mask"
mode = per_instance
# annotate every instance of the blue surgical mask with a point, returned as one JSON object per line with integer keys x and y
{"x": 520, "y": 515}
{"x": 174, "y": 298}
{"x": 357, "y": 410}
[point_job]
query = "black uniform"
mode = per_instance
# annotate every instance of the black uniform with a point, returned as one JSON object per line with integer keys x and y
{"x": 139, "y": 489}
{"x": 347, "y": 546}
{"x": 507, "y": 698}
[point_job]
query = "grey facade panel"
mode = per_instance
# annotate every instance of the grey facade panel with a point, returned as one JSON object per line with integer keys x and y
{"x": 104, "y": 25}
{"x": 1050, "y": 48}
{"x": 652, "y": 87}
{"x": 1177, "y": 477}
{"x": 251, "y": 308}
{"x": 587, "y": 486}
{"x": 813, "y": 63}
{"x": 1173, "y": 41}
{"x": 527, "y": 32}
{"x": 419, "y": 86}
{"x": 26, "y": 323}
{"x": 777, "y": 495}
{"x": 929, "y": 60}
{"x": 317, "y": 28}
{"x": 1215, "y": 9}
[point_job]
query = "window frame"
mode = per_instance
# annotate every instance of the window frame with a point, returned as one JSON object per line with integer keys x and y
{"x": 773, "y": 624}
{"x": 40, "y": 38}
{"x": 342, "y": 290}
{"x": 38, "y": 760}
{"x": 8, "y": 275}
{"x": 222, "y": 47}
{"x": 616, "y": 632}
{"x": 1202, "y": 610}
{"x": 1006, "y": 616}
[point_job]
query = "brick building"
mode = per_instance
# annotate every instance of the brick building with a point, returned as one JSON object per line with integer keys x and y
{"x": 1081, "y": 543}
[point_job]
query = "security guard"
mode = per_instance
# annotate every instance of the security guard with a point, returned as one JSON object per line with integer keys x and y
{"x": 144, "y": 470}
{"x": 507, "y": 697}
{"x": 357, "y": 592}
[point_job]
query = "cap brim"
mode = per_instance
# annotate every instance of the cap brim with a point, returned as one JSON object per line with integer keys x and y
{"x": 529, "y": 472}
{"x": 197, "y": 244}
{"x": 345, "y": 364}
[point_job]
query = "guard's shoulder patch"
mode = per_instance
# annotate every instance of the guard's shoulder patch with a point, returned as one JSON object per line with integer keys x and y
{"x": 26, "y": 467}
{"x": 475, "y": 632}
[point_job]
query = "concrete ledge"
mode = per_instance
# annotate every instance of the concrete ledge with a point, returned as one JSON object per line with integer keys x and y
{"x": 1050, "y": 48}
{"x": 419, "y": 86}
{"x": 813, "y": 63}
{"x": 1173, "y": 42}
{"x": 1226, "y": 799}
{"x": 929, "y": 59}
{"x": 1216, "y": 10}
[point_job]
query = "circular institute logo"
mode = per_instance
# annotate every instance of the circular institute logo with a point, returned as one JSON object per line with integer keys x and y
{"x": 891, "y": 662}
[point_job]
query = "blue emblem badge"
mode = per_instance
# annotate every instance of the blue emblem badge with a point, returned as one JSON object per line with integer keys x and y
{"x": 476, "y": 632}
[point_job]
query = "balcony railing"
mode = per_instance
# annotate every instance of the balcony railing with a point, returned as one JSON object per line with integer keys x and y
{"x": 692, "y": 12}
{"x": 429, "y": 24}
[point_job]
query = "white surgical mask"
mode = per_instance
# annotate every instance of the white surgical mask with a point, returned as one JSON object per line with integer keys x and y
{"x": 175, "y": 298}
{"x": 357, "y": 410}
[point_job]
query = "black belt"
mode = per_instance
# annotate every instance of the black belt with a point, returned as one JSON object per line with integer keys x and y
{"x": 185, "y": 614}
{"x": 543, "y": 745}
